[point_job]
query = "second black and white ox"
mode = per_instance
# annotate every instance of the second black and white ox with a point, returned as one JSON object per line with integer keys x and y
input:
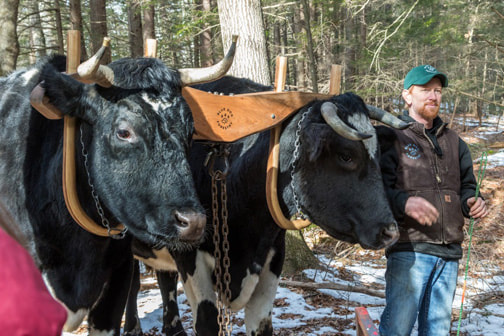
{"x": 134, "y": 138}
{"x": 336, "y": 180}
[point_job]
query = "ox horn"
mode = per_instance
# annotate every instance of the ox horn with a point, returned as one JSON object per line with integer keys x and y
{"x": 93, "y": 71}
{"x": 192, "y": 76}
{"x": 386, "y": 117}
{"x": 330, "y": 114}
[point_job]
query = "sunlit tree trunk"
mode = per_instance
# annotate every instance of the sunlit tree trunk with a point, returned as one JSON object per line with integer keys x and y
{"x": 135, "y": 34}
{"x": 98, "y": 24}
{"x": 245, "y": 19}
{"x": 76, "y": 24}
{"x": 148, "y": 25}
{"x": 37, "y": 38}
{"x": 9, "y": 47}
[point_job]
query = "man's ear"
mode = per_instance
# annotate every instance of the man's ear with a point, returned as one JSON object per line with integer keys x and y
{"x": 406, "y": 94}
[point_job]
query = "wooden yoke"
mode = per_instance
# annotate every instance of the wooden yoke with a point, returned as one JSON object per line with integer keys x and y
{"x": 69, "y": 130}
{"x": 230, "y": 118}
{"x": 273, "y": 161}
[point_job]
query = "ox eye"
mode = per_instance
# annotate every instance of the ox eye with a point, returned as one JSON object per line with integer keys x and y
{"x": 126, "y": 134}
{"x": 345, "y": 158}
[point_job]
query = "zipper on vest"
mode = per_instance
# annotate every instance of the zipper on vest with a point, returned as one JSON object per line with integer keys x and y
{"x": 436, "y": 168}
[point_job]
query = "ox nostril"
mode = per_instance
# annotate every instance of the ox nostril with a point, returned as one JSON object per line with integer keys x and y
{"x": 191, "y": 224}
{"x": 390, "y": 234}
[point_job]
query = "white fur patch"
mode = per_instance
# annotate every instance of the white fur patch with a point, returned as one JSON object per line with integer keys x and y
{"x": 260, "y": 305}
{"x": 363, "y": 125}
{"x": 101, "y": 333}
{"x": 199, "y": 287}
{"x": 74, "y": 319}
{"x": 28, "y": 75}
{"x": 157, "y": 104}
{"x": 163, "y": 261}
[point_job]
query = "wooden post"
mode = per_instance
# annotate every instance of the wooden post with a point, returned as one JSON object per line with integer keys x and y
{"x": 73, "y": 52}
{"x": 335, "y": 80}
{"x": 364, "y": 324}
{"x": 150, "y": 48}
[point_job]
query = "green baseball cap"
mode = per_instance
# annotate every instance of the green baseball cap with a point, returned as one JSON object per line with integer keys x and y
{"x": 422, "y": 74}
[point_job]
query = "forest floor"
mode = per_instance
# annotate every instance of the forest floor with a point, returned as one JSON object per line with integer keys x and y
{"x": 324, "y": 311}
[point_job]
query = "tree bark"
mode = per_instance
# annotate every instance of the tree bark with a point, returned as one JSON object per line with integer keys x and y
{"x": 76, "y": 24}
{"x": 98, "y": 24}
{"x": 245, "y": 19}
{"x": 9, "y": 46}
{"x": 135, "y": 34}
{"x": 59, "y": 27}
{"x": 298, "y": 255}
{"x": 37, "y": 37}
{"x": 149, "y": 25}
{"x": 206, "y": 55}
{"x": 311, "y": 53}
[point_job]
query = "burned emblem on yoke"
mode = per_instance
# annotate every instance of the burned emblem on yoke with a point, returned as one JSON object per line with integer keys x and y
{"x": 412, "y": 151}
{"x": 225, "y": 118}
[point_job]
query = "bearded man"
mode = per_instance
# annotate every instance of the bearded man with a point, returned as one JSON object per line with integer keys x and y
{"x": 428, "y": 175}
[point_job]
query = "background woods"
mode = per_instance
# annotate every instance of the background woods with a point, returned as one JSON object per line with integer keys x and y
{"x": 375, "y": 41}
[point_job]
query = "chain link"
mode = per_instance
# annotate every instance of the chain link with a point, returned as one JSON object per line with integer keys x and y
{"x": 222, "y": 263}
{"x": 105, "y": 222}
{"x": 295, "y": 156}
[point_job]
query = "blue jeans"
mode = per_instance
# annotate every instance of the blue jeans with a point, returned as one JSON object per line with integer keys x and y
{"x": 418, "y": 285}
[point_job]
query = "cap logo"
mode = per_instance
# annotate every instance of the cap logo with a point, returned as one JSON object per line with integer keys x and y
{"x": 430, "y": 68}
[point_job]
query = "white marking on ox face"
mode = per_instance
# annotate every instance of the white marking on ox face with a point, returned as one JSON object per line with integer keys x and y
{"x": 28, "y": 75}
{"x": 157, "y": 104}
{"x": 362, "y": 124}
{"x": 163, "y": 260}
{"x": 250, "y": 284}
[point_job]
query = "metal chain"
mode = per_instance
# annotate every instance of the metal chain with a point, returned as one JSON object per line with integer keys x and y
{"x": 105, "y": 222}
{"x": 295, "y": 156}
{"x": 223, "y": 290}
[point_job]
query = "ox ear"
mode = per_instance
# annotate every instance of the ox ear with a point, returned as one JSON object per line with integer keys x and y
{"x": 66, "y": 94}
{"x": 316, "y": 137}
{"x": 386, "y": 137}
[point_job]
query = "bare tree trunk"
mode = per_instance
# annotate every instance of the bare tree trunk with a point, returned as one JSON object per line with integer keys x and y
{"x": 135, "y": 35}
{"x": 59, "y": 27}
{"x": 98, "y": 20}
{"x": 149, "y": 25}
{"x": 9, "y": 46}
{"x": 297, "y": 18}
{"x": 37, "y": 38}
{"x": 76, "y": 24}
{"x": 245, "y": 19}
{"x": 206, "y": 56}
{"x": 311, "y": 52}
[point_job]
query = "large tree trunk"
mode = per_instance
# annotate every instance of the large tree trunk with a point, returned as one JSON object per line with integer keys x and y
{"x": 37, "y": 37}
{"x": 98, "y": 18}
{"x": 298, "y": 255}
{"x": 59, "y": 27}
{"x": 9, "y": 47}
{"x": 148, "y": 27}
{"x": 76, "y": 24}
{"x": 245, "y": 19}
{"x": 206, "y": 55}
{"x": 311, "y": 52}
{"x": 135, "y": 33}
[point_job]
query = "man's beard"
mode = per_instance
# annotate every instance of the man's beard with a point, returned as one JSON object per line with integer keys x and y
{"x": 428, "y": 112}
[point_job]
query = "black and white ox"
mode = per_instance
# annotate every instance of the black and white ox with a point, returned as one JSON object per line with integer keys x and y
{"x": 134, "y": 137}
{"x": 336, "y": 180}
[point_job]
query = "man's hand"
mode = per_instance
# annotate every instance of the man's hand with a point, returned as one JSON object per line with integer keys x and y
{"x": 477, "y": 207}
{"x": 421, "y": 210}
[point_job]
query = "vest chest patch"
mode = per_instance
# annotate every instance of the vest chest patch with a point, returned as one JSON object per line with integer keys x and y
{"x": 412, "y": 151}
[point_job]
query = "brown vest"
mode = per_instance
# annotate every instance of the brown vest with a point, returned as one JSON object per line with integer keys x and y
{"x": 422, "y": 173}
